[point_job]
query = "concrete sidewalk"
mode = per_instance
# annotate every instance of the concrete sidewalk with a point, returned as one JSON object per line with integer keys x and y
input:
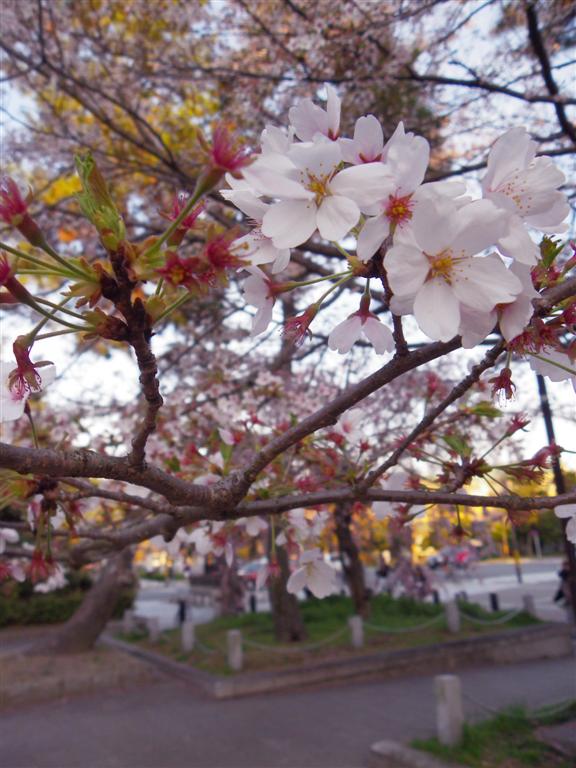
{"x": 172, "y": 725}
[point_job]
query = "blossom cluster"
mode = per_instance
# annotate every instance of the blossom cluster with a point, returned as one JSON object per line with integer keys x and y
{"x": 459, "y": 265}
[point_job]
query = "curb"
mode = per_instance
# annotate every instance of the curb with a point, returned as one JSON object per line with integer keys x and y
{"x": 526, "y": 644}
{"x": 390, "y": 754}
{"x": 197, "y": 677}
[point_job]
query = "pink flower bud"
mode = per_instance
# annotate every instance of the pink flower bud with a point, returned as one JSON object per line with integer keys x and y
{"x": 41, "y": 567}
{"x": 14, "y": 211}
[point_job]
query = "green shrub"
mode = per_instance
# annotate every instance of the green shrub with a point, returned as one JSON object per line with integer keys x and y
{"x": 20, "y": 605}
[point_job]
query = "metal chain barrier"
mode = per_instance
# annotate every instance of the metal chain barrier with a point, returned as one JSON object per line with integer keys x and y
{"x": 485, "y": 707}
{"x": 491, "y": 622}
{"x": 300, "y": 649}
{"x": 388, "y": 630}
{"x": 204, "y": 648}
{"x": 534, "y": 716}
{"x": 553, "y": 709}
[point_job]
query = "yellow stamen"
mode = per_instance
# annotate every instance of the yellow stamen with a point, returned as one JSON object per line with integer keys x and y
{"x": 441, "y": 265}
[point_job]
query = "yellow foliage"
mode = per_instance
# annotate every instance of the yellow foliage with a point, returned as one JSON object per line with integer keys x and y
{"x": 61, "y": 189}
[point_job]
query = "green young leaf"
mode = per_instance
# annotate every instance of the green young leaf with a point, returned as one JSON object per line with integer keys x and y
{"x": 485, "y": 408}
{"x": 457, "y": 444}
{"x": 549, "y": 250}
{"x": 226, "y": 451}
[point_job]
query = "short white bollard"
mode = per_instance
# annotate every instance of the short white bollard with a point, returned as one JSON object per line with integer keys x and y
{"x": 153, "y": 627}
{"x": 234, "y": 644}
{"x": 128, "y": 623}
{"x": 449, "y": 711}
{"x": 356, "y": 631}
{"x": 187, "y": 636}
{"x": 529, "y": 604}
{"x": 452, "y": 616}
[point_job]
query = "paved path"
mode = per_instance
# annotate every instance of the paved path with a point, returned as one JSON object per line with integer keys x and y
{"x": 171, "y": 725}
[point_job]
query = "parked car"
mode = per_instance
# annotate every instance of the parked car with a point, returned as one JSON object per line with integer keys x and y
{"x": 460, "y": 556}
{"x": 249, "y": 572}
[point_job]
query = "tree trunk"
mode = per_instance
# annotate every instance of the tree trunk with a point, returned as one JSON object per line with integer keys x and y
{"x": 351, "y": 563}
{"x": 232, "y": 589}
{"x": 288, "y": 624}
{"x": 80, "y": 632}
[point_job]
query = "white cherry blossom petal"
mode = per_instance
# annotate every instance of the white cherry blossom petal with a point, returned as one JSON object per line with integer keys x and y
{"x": 371, "y": 237}
{"x": 407, "y": 268}
{"x": 437, "y": 310}
{"x": 379, "y": 335}
{"x": 517, "y": 243}
{"x": 297, "y": 581}
{"x": 336, "y": 217}
{"x": 514, "y": 317}
{"x": 343, "y": 337}
{"x": 290, "y": 223}
{"x": 480, "y": 225}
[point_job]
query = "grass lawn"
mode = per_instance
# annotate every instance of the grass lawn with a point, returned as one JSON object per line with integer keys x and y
{"x": 326, "y": 623}
{"x": 506, "y": 741}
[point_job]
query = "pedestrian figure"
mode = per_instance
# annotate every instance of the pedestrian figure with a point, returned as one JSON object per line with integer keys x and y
{"x": 562, "y": 595}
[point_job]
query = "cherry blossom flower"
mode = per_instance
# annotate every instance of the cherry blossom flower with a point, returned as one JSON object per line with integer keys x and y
{"x": 367, "y": 144}
{"x": 357, "y": 325}
{"x": 555, "y": 365}
{"x": 211, "y": 538}
{"x": 259, "y": 291}
{"x": 254, "y": 525}
{"x": 512, "y": 317}
{"x": 527, "y": 187}
{"x": 397, "y": 481}
{"x": 270, "y": 573}
{"x": 308, "y": 119}
{"x": 276, "y": 140}
{"x": 15, "y": 389}
{"x": 311, "y": 192}
{"x": 12, "y": 570}
{"x": 255, "y": 247}
{"x": 226, "y": 435}
{"x": 349, "y": 425}
{"x": 439, "y": 272}
{"x": 568, "y": 511}
{"x": 307, "y": 526}
{"x": 314, "y": 573}
{"x": 7, "y": 536}
{"x": 57, "y": 580}
{"x": 405, "y": 159}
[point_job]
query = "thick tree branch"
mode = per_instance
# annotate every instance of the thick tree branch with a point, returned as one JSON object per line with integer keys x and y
{"x": 85, "y": 463}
